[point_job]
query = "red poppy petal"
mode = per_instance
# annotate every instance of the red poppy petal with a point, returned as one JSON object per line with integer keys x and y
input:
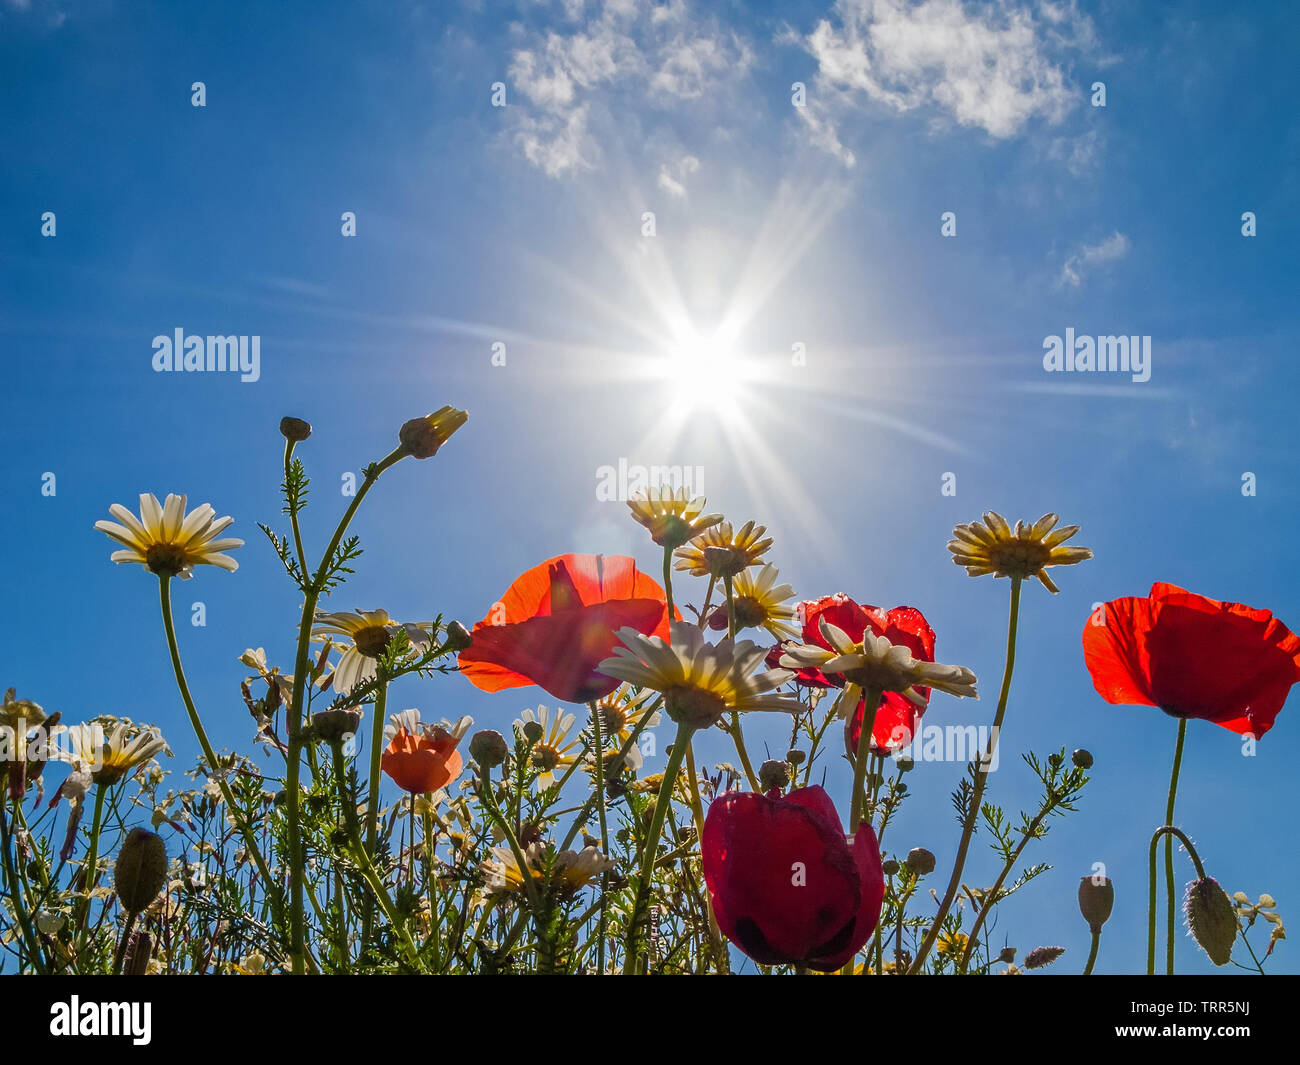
{"x": 866, "y": 854}
{"x": 898, "y": 720}
{"x": 558, "y": 653}
{"x": 1115, "y": 650}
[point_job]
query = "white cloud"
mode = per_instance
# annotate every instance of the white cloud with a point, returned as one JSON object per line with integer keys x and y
{"x": 660, "y": 53}
{"x": 672, "y": 175}
{"x": 991, "y": 65}
{"x": 1090, "y": 256}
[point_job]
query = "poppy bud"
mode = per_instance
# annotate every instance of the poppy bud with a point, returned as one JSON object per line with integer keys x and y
{"x": 1211, "y": 919}
{"x": 905, "y": 763}
{"x": 334, "y": 726}
{"x": 141, "y": 869}
{"x": 1082, "y": 759}
{"x": 533, "y": 731}
{"x": 1096, "y": 897}
{"x": 795, "y": 757}
{"x": 422, "y": 437}
{"x": 458, "y": 637}
{"x": 773, "y": 774}
{"x": 295, "y": 429}
{"x": 1041, "y": 956}
{"x": 920, "y": 861}
{"x": 1007, "y": 956}
{"x": 890, "y": 867}
{"x": 488, "y": 748}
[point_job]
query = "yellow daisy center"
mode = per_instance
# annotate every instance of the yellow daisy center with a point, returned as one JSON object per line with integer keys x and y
{"x": 166, "y": 559}
{"x": 372, "y": 640}
{"x": 1019, "y": 558}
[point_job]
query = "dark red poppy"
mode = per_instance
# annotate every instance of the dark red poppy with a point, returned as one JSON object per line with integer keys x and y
{"x": 558, "y": 621}
{"x": 1193, "y": 657}
{"x": 787, "y": 885}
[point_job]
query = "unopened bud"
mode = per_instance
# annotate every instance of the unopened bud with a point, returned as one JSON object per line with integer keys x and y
{"x": 533, "y": 731}
{"x": 295, "y": 429}
{"x": 905, "y": 763}
{"x": 920, "y": 861}
{"x": 334, "y": 726}
{"x": 488, "y": 748}
{"x": 1211, "y": 919}
{"x": 1007, "y": 956}
{"x": 795, "y": 757}
{"x": 1096, "y": 898}
{"x": 890, "y": 867}
{"x": 422, "y": 437}
{"x": 1082, "y": 759}
{"x": 458, "y": 637}
{"x": 141, "y": 870}
{"x": 773, "y": 774}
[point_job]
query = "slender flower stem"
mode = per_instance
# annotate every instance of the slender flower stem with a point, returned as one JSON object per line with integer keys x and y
{"x": 697, "y": 815}
{"x": 1170, "y": 922}
{"x": 663, "y": 800}
{"x": 293, "y": 512}
{"x": 734, "y": 728}
{"x": 372, "y": 799}
{"x": 11, "y": 879}
{"x": 871, "y": 708}
{"x": 210, "y": 756}
{"x": 668, "y": 582}
{"x": 297, "y": 714}
{"x": 1092, "y": 954}
{"x": 604, "y": 832}
{"x": 1168, "y": 831}
{"x": 120, "y": 954}
{"x": 92, "y": 859}
{"x": 981, "y": 779}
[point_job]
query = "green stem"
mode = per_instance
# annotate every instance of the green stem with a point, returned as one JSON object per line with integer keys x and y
{"x": 120, "y": 954}
{"x": 651, "y": 845}
{"x": 296, "y": 715}
{"x": 668, "y": 582}
{"x": 870, "y": 708}
{"x": 1170, "y": 922}
{"x": 209, "y": 755}
{"x": 604, "y": 830}
{"x": 1169, "y": 831}
{"x": 92, "y": 859}
{"x": 981, "y": 778}
{"x": 1092, "y": 954}
{"x": 11, "y": 878}
{"x": 372, "y": 798}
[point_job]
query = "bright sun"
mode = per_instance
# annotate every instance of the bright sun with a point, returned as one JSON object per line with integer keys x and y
{"x": 705, "y": 372}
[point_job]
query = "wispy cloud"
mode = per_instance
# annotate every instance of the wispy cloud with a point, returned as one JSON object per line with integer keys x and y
{"x": 1088, "y": 258}
{"x": 664, "y": 54}
{"x": 993, "y": 66}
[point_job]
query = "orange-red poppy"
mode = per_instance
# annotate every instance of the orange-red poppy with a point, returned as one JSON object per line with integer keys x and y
{"x": 422, "y": 761}
{"x": 1193, "y": 657}
{"x": 557, "y": 623}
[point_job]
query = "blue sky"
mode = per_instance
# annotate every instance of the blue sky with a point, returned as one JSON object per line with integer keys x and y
{"x": 775, "y": 225}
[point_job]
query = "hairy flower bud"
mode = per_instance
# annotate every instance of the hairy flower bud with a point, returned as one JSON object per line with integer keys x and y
{"x": 890, "y": 867}
{"x": 422, "y": 437}
{"x": 295, "y": 429}
{"x": 920, "y": 861}
{"x": 1041, "y": 956}
{"x": 1211, "y": 919}
{"x": 773, "y": 774}
{"x": 488, "y": 748}
{"x": 533, "y": 731}
{"x": 141, "y": 870}
{"x": 1007, "y": 956}
{"x": 458, "y": 637}
{"x": 1096, "y": 898}
{"x": 795, "y": 757}
{"x": 1082, "y": 759}
{"x": 334, "y": 726}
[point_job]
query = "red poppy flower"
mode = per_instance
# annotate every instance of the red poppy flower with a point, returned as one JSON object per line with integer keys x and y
{"x": 904, "y": 625}
{"x": 1193, "y": 657}
{"x": 423, "y": 761}
{"x": 786, "y": 884}
{"x": 557, "y": 623}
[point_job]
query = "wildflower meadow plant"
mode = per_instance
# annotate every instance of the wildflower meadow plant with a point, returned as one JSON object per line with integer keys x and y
{"x": 352, "y": 839}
